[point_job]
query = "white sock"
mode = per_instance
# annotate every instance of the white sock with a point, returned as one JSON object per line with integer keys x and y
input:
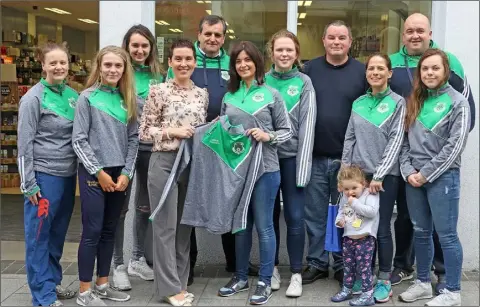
{"x": 102, "y": 287}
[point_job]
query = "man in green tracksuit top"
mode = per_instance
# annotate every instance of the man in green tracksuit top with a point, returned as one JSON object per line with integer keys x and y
{"x": 417, "y": 39}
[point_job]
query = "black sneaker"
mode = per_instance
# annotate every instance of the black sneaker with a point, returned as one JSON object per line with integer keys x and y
{"x": 399, "y": 275}
{"x": 262, "y": 294}
{"x": 311, "y": 274}
{"x": 234, "y": 286}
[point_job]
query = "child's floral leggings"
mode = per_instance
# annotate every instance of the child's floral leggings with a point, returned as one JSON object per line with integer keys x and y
{"x": 357, "y": 261}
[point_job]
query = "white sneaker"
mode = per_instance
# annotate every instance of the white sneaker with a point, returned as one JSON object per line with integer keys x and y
{"x": 120, "y": 278}
{"x": 276, "y": 281}
{"x": 140, "y": 268}
{"x": 418, "y": 291}
{"x": 446, "y": 298}
{"x": 295, "y": 287}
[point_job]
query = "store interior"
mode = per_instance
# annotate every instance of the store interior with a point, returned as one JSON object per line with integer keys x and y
{"x": 26, "y": 25}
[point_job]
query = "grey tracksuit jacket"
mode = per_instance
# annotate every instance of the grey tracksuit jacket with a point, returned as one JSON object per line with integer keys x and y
{"x": 45, "y": 123}
{"x": 224, "y": 166}
{"x": 375, "y": 134}
{"x": 437, "y": 138}
{"x": 102, "y": 136}
{"x": 260, "y": 106}
{"x": 297, "y": 91}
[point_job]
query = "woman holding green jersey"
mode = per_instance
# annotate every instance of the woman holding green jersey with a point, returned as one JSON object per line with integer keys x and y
{"x": 261, "y": 110}
{"x": 295, "y": 155}
{"x": 140, "y": 44}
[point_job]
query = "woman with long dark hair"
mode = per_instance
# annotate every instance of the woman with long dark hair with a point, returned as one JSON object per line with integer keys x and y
{"x": 261, "y": 110}
{"x": 140, "y": 44}
{"x": 437, "y": 123}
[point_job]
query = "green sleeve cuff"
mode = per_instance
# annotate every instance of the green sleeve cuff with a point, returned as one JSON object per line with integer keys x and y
{"x": 33, "y": 191}
{"x": 126, "y": 174}
{"x": 98, "y": 172}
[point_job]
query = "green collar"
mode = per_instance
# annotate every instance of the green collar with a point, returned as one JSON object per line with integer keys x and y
{"x": 285, "y": 74}
{"x": 140, "y": 67}
{"x": 54, "y": 87}
{"x": 108, "y": 88}
{"x": 438, "y": 91}
{"x": 404, "y": 52}
{"x": 379, "y": 95}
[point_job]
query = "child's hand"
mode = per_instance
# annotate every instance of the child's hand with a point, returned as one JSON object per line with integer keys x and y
{"x": 351, "y": 199}
{"x": 340, "y": 223}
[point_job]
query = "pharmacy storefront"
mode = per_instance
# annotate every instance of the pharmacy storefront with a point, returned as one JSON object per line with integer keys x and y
{"x": 376, "y": 26}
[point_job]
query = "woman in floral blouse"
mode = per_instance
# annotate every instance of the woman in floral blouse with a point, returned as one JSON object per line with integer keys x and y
{"x": 171, "y": 112}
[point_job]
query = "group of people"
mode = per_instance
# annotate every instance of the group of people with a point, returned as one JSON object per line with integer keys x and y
{"x": 365, "y": 136}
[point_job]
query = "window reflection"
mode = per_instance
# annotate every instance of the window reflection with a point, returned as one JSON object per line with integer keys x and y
{"x": 376, "y": 25}
{"x": 255, "y": 21}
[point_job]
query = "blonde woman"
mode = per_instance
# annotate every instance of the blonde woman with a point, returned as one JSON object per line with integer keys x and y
{"x": 105, "y": 139}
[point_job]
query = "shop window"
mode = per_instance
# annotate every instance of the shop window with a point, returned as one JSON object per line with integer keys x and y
{"x": 25, "y": 26}
{"x": 376, "y": 25}
{"x": 255, "y": 21}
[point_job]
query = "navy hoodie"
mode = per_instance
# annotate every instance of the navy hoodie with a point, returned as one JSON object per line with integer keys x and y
{"x": 212, "y": 74}
{"x": 336, "y": 88}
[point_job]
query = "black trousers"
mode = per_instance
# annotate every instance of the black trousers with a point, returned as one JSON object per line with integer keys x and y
{"x": 228, "y": 243}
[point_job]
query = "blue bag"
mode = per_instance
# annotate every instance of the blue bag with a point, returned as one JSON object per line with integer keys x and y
{"x": 333, "y": 237}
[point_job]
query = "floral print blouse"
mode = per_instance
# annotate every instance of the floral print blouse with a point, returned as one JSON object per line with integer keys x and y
{"x": 170, "y": 106}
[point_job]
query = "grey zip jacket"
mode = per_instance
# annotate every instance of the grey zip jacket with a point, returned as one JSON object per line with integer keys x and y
{"x": 260, "y": 106}
{"x": 366, "y": 209}
{"x": 437, "y": 138}
{"x": 299, "y": 96}
{"x": 224, "y": 166}
{"x": 45, "y": 123}
{"x": 375, "y": 132}
{"x": 102, "y": 135}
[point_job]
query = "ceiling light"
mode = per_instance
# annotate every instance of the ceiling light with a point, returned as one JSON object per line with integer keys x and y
{"x": 301, "y": 15}
{"x": 308, "y": 3}
{"x": 179, "y": 31}
{"x": 232, "y": 36}
{"x": 300, "y": 3}
{"x": 58, "y": 11}
{"x": 226, "y": 23}
{"x": 230, "y": 31}
{"x": 208, "y": 1}
{"x": 299, "y": 23}
{"x": 209, "y": 12}
{"x": 162, "y": 23}
{"x": 176, "y": 30}
{"x": 199, "y": 1}
{"x": 87, "y": 20}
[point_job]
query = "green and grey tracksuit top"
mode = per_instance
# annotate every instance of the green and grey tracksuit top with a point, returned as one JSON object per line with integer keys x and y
{"x": 232, "y": 162}
{"x": 45, "y": 123}
{"x": 437, "y": 138}
{"x": 299, "y": 96}
{"x": 375, "y": 133}
{"x": 102, "y": 135}
{"x": 143, "y": 80}
{"x": 402, "y": 78}
{"x": 212, "y": 74}
{"x": 260, "y": 106}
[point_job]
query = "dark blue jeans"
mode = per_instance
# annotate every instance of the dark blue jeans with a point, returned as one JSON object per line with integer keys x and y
{"x": 294, "y": 212}
{"x": 384, "y": 245}
{"x": 321, "y": 190}
{"x": 100, "y": 215}
{"x": 260, "y": 212}
{"x": 436, "y": 204}
{"x": 45, "y": 235}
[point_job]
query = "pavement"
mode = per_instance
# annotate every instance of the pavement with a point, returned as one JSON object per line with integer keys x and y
{"x": 208, "y": 280}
